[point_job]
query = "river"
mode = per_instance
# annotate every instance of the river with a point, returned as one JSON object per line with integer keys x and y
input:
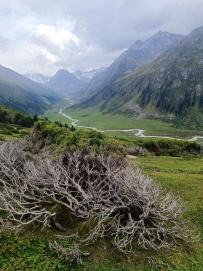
{"x": 139, "y": 132}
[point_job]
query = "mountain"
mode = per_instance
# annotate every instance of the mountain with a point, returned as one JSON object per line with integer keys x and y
{"x": 170, "y": 88}
{"x": 135, "y": 57}
{"x": 23, "y": 94}
{"x": 65, "y": 83}
{"x": 88, "y": 75}
{"x": 38, "y": 77}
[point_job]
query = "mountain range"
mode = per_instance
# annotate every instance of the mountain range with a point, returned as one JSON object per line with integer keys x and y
{"x": 169, "y": 88}
{"x": 38, "y": 77}
{"x": 88, "y": 75}
{"x": 132, "y": 59}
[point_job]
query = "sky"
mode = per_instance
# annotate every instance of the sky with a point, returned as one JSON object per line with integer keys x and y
{"x": 43, "y": 36}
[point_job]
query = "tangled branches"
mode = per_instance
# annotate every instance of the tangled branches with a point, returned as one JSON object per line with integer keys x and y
{"x": 110, "y": 195}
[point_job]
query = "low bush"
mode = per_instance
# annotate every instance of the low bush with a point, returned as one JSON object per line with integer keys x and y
{"x": 164, "y": 147}
{"x": 112, "y": 197}
{"x": 60, "y": 139}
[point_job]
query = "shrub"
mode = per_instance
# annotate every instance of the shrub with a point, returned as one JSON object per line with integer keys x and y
{"x": 110, "y": 195}
{"x": 49, "y": 135}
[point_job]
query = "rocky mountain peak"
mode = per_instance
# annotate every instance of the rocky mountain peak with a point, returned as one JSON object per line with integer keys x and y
{"x": 137, "y": 45}
{"x": 62, "y": 72}
{"x": 65, "y": 82}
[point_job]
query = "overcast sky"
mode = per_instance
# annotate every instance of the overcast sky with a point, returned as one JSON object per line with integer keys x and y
{"x": 43, "y": 36}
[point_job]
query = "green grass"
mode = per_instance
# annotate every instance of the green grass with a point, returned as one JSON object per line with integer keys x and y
{"x": 11, "y": 131}
{"x": 183, "y": 176}
{"x": 93, "y": 117}
{"x": 53, "y": 115}
{"x": 29, "y": 252}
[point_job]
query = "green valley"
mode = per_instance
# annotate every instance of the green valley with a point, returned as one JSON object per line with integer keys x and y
{"x": 94, "y": 118}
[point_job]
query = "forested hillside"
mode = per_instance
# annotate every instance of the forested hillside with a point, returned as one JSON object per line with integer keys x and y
{"x": 14, "y": 123}
{"x": 11, "y": 116}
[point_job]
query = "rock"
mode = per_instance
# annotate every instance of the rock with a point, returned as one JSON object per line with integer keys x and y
{"x": 131, "y": 156}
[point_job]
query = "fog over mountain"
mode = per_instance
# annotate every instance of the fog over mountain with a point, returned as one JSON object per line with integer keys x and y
{"x": 37, "y": 77}
{"x": 88, "y": 75}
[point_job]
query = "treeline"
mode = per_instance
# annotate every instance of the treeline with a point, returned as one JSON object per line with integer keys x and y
{"x": 18, "y": 119}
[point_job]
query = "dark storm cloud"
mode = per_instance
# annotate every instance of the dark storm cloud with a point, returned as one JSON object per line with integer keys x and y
{"x": 80, "y": 34}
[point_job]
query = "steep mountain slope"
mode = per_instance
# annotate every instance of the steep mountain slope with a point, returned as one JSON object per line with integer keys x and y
{"x": 135, "y": 57}
{"x": 170, "y": 88}
{"x": 38, "y": 77}
{"x": 24, "y": 95}
{"x": 65, "y": 83}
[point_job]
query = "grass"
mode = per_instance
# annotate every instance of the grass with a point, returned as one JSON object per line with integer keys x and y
{"x": 93, "y": 117}
{"x": 53, "y": 115}
{"x": 29, "y": 252}
{"x": 182, "y": 176}
{"x": 11, "y": 131}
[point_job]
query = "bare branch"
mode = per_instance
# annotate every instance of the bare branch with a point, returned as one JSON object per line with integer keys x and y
{"x": 110, "y": 195}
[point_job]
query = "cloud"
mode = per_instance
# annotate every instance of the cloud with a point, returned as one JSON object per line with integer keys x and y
{"x": 5, "y": 44}
{"x": 43, "y": 36}
{"x": 24, "y": 57}
{"x": 59, "y": 37}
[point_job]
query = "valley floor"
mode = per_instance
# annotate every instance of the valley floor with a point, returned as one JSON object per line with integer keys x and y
{"x": 118, "y": 125}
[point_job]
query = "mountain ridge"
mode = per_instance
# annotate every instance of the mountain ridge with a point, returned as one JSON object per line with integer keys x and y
{"x": 23, "y": 94}
{"x": 130, "y": 60}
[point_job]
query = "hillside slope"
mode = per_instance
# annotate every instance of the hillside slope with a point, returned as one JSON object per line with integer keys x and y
{"x": 23, "y": 94}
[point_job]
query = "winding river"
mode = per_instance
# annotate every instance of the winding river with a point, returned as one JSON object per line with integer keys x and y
{"x": 139, "y": 132}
